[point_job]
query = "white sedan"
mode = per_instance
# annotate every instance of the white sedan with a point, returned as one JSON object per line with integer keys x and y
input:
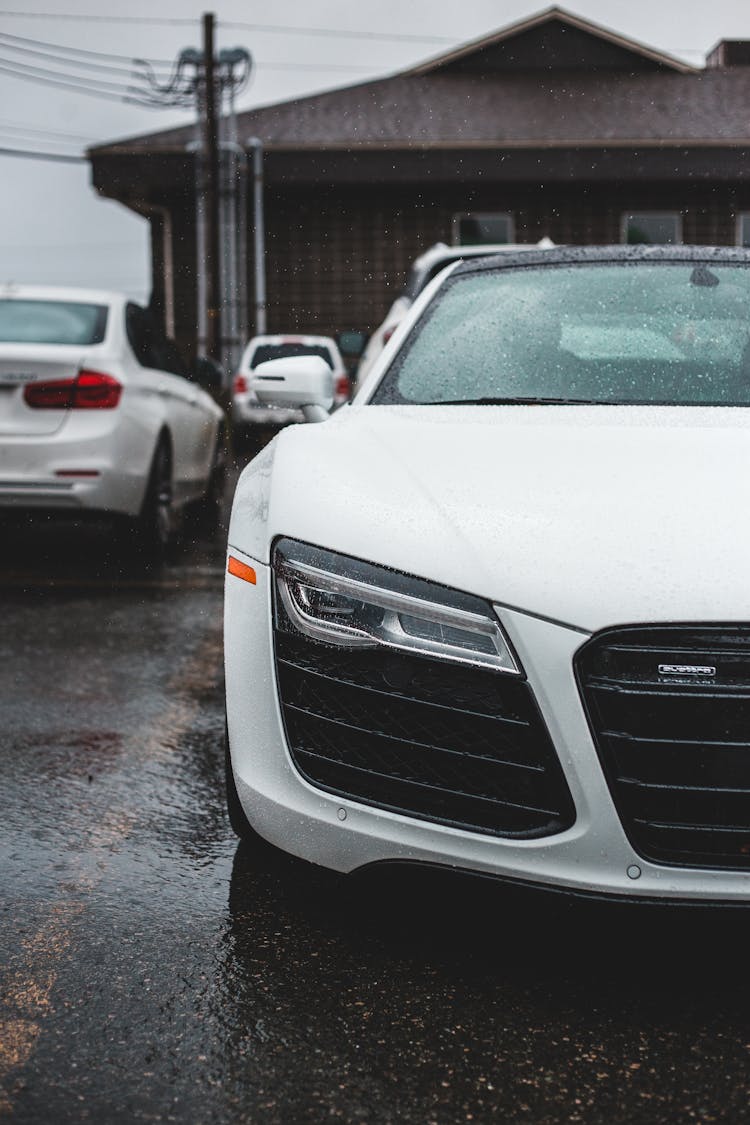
{"x": 94, "y": 415}
{"x": 495, "y": 615}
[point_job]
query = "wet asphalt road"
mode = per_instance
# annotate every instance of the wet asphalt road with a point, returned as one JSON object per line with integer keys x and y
{"x": 152, "y": 970}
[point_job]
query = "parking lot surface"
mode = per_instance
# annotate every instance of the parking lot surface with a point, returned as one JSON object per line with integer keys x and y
{"x": 154, "y": 970}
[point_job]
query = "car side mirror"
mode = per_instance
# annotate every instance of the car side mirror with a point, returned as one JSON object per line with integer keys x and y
{"x": 352, "y": 343}
{"x": 208, "y": 374}
{"x": 304, "y": 381}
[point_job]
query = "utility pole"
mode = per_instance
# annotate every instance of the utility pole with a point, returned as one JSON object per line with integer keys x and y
{"x": 211, "y": 156}
{"x": 203, "y": 77}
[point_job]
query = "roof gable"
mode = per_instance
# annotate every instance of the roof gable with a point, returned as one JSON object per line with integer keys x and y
{"x": 617, "y": 93}
{"x": 551, "y": 40}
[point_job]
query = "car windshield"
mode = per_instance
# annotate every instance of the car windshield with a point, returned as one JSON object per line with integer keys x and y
{"x": 51, "y": 322}
{"x": 632, "y": 332}
{"x": 264, "y": 352}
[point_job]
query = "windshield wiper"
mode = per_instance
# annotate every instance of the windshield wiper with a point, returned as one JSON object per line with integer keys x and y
{"x": 511, "y": 402}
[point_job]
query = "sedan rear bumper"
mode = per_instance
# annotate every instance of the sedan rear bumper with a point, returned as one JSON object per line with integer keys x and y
{"x": 83, "y": 494}
{"x": 90, "y": 464}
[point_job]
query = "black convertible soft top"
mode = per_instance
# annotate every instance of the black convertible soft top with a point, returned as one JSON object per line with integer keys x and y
{"x": 562, "y": 255}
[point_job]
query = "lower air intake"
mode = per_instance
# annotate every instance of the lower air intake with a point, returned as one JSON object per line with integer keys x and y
{"x": 426, "y": 738}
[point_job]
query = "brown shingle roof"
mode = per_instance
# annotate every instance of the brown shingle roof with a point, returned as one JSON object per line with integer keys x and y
{"x": 517, "y": 110}
{"x": 602, "y": 89}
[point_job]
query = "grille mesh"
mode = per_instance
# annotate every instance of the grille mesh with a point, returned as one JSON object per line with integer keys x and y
{"x": 675, "y": 747}
{"x": 427, "y": 738}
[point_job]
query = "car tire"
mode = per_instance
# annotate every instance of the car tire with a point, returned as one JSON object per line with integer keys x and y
{"x": 154, "y": 525}
{"x": 240, "y": 824}
{"x": 208, "y": 511}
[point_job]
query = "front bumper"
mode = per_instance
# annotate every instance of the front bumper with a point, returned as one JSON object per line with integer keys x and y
{"x": 593, "y": 856}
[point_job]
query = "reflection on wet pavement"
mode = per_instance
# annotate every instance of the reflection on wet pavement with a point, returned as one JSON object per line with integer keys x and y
{"x": 47, "y": 551}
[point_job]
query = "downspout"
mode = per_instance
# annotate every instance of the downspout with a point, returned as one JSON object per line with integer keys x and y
{"x": 259, "y": 236}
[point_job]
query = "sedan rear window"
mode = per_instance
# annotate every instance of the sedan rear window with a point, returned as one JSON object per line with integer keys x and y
{"x": 632, "y": 332}
{"x": 264, "y": 352}
{"x": 51, "y": 322}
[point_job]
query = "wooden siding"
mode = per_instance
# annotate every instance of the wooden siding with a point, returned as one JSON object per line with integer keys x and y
{"x": 336, "y": 258}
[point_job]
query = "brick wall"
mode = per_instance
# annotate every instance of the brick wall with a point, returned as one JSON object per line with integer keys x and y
{"x": 337, "y": 257}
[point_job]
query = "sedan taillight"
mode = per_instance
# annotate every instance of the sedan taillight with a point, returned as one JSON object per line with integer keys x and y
{"x": 90, "y": 390}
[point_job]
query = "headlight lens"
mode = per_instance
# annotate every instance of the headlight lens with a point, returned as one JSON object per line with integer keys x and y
{"x": 344, "y": 602}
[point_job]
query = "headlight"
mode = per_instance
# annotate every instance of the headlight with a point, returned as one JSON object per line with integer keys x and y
{"x": 344, "y": 602}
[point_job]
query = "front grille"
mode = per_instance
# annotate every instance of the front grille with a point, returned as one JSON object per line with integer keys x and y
{"x": 675, "y": 744}
{"x": 427, "y": 738}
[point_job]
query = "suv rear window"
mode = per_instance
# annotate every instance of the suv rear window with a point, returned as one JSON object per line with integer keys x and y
{"x": 264, "y": 352}
{"x": 51, "y": 322}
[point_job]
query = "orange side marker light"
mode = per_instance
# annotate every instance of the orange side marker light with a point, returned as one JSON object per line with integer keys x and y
{"x": 241, "y": 570}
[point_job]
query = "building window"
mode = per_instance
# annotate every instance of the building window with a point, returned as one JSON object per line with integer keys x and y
{"x": 653, "y": 227}
{"x": 743, "y": 229}
{"x": 478, "y": 227}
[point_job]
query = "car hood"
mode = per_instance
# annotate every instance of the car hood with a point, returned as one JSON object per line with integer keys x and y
{"x": 588, "y": 515}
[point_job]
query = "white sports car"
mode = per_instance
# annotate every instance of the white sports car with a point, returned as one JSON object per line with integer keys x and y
{"x": 495, "y": 615}
{"x": 95, "y": 414}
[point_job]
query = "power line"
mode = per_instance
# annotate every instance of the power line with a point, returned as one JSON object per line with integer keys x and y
{"x": 96, "y": 91}
{"x": 27, "y": 69}
{"x": 87, "y": 17}
{"x": 272, "y": 28}
{"x": 36, "y": 142}
{"x": 77, "y": 244}
{"x": 232, "y": 69}
{"x": 349, "y": 68}
{"x": 27, "y": 127}
{"x": 79, "y": 82}
{"x": 58, "y": 157}
{"x": 62, "y": 47}
{"x": 107, "y": 68}
{"x": 338, "y": 33}
{"x": 110, "y": 91}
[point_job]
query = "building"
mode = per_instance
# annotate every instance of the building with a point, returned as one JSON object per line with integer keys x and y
{"x": 552, "y": 127}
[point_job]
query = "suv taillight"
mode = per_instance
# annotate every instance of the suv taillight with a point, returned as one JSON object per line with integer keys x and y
{"x": 343, "y": 386}
{"x": 240, "y": 385}
{"x": 90, "y": 390}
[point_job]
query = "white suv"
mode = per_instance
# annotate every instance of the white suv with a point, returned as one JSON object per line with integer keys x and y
{"x": 423, "y": 269}
{"x": 248, "y": 412}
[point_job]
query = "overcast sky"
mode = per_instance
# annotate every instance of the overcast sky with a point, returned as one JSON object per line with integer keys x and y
{"x": 55, "y": 230}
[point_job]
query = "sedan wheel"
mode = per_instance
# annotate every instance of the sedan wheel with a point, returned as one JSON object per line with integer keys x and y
{"x": 208, "y": 511}
{"x": 154, "y": 525}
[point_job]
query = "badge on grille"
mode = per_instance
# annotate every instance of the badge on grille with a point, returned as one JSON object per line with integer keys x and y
{"x": 686, "y": 670}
